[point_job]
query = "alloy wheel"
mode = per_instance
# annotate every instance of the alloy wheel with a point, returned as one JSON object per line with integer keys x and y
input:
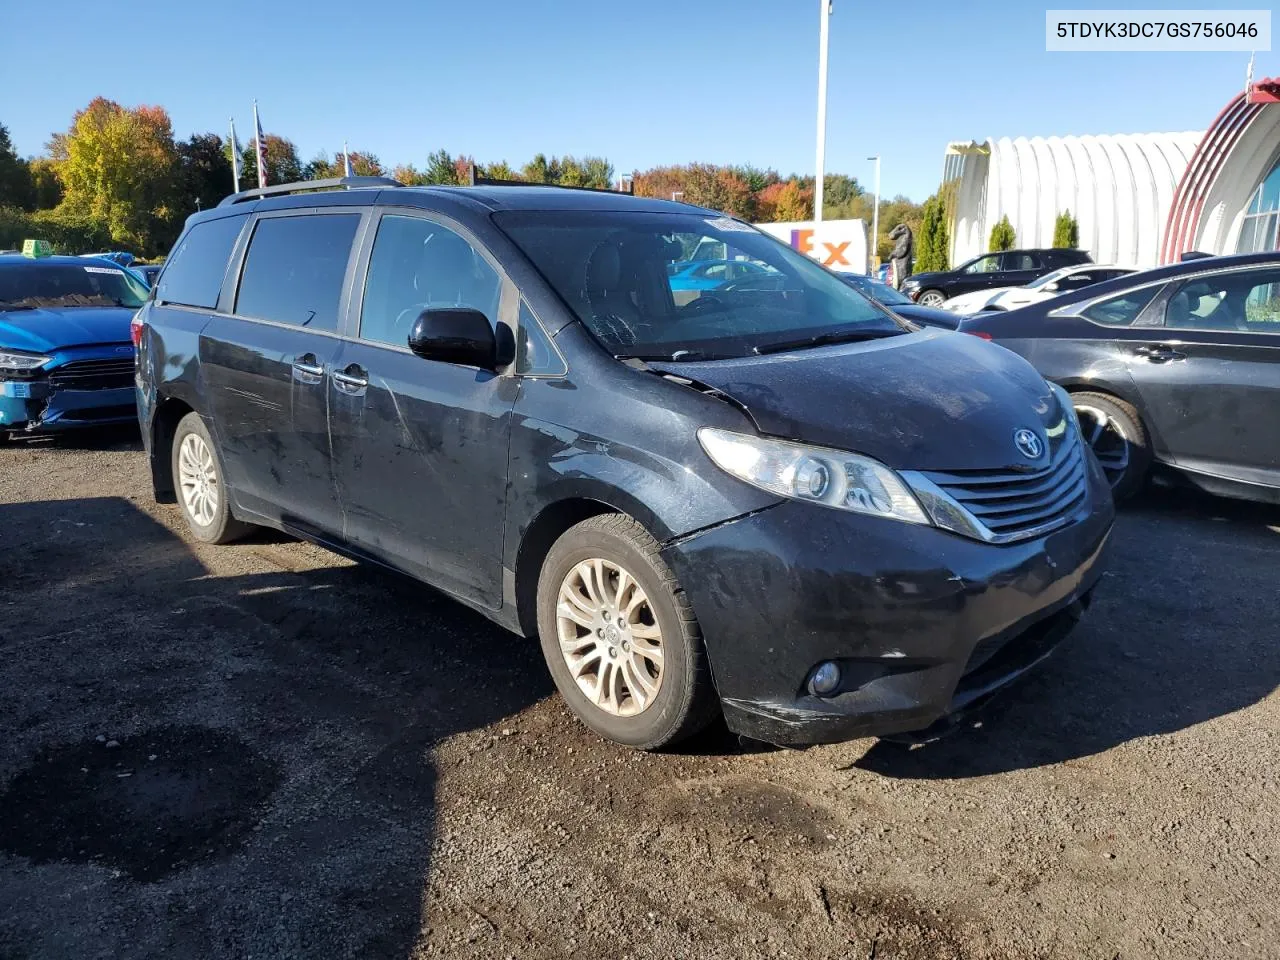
{"x": 198, "y": 478}
{"x": 1106, "y": 437}
{"x": 932, "y": 299}
{"x": 609, "y": 637}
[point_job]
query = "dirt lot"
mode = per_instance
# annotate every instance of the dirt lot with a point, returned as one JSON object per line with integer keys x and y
{"x": 264, "y": 751}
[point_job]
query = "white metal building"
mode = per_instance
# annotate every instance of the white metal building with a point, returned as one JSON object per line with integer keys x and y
{"x": 1119, "y": 188}
{"x": 1140, "y": 199}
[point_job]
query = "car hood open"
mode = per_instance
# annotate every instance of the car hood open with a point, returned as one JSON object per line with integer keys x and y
{"x": 932, "y": 400}
{"x": 48, "y": 328}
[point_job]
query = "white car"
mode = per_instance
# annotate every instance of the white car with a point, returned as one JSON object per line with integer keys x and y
{"x": 1062, "y": 280}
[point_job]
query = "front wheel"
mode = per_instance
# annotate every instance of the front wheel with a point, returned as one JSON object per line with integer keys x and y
{"x": 198, "y": 480}
{"x": 1114, "y": 431}
{"x": 932, "y": 298}
{"x": 620, "y": 637}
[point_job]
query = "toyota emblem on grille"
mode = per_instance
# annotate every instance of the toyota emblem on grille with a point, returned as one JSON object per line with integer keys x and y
{"x": 1028, "y": 444}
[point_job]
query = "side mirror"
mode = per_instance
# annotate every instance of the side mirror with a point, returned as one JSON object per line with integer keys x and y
{"x": 455, "y": 335}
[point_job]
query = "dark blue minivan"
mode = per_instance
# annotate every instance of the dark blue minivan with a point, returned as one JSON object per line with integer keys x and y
{"x": 786, "y": 504}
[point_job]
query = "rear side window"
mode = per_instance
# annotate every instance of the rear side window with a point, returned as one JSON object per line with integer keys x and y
{"x": 1020, "y": 261}
{"x": 1121, "y": 311}
{"x": 295, "y": 267}
{"x": 193, "y": 273}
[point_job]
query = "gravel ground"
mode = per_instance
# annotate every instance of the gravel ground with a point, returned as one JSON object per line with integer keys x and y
{"x": 264, "y": 751}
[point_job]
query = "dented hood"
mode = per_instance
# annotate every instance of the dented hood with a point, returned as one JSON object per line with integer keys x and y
{"x": 47, "y": 328}
{"x": 932, "y": 400}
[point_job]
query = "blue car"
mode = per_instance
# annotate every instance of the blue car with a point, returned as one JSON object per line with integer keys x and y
{"x": 710, "y": 274}
{"x": 66, "y": 353}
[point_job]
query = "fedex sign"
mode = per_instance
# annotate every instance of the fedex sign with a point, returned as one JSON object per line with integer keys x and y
{"x": 839, "y": 245}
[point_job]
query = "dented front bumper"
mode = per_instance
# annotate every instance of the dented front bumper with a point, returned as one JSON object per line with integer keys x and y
{"x": 924, "y": 624}
{"x": 44, "y": 405}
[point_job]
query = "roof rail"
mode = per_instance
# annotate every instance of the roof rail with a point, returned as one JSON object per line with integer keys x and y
{"x": 304, "y": 186}
{"x": 477, "y": 180}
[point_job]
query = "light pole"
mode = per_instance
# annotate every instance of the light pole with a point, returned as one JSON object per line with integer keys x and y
{"x": 677, "y": 194}
{"x": 875, "y": 214}
{"x": 822, "y": 110}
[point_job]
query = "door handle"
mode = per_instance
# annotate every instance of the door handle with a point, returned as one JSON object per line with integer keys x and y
{"x": 1160, "y": 353}
{"x": 352, "y": 380}
{"x": 306, "y": 369}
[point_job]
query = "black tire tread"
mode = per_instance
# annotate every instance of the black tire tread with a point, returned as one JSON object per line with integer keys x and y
{"x": 231, "y": 528}
{"x": 1139, "y": 446}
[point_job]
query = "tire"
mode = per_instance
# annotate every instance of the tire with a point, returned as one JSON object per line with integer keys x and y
{"x": 931, "y": 298}
{"x": 684, "y": 701}
{"x": 209, "y": 519}
{"x": 1120, "y": 422}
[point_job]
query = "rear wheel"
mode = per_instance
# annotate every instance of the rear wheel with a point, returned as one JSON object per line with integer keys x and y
{"x": 198, "y": 480}
{"x": 932, "y": 298}
{"x": 1114, "y": 431}
{"x": 620, "y": 637}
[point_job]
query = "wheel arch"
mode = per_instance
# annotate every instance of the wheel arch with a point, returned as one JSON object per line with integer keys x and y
{"x": 164, "y": 423}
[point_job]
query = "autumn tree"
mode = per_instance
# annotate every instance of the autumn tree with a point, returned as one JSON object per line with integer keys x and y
{"x": 794, "y": 202}
{"x": 119, "y": 166}
{"x": 362, "y": 165}
{"x": 283, "y": 165}
{"x": 16, "y": 187}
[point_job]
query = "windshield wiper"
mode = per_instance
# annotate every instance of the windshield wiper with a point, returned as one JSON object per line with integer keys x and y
{"x": 679, "y": 356}
{"x": 823, "y": 339}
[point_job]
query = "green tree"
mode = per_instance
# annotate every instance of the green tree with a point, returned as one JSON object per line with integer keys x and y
{"x": 283, "y": 165}
{"x": 1066, "y": 232}
{"x": 119, "y": 166}
{"x": 362, "y": 165}
{"x": 1003, "y": 236}
{"x": 932, "y": 239}
{"x": 45, "y": 182}
{"x": 204, "y": 172}
{"x": 499, "y": 171}
{"x": 441, "y": 168}
{"x": 16, "y": 187}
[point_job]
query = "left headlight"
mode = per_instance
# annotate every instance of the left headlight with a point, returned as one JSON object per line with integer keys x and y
{"x": 1064, "y": 399}
{"x": 10, "y": 360}
{"x": 820, "y": 475}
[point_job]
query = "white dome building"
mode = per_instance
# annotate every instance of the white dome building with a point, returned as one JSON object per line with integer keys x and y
{"x": 1140, "y": 199}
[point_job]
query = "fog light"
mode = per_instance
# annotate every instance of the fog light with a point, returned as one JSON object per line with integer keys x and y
{"x": 825, "y": 679}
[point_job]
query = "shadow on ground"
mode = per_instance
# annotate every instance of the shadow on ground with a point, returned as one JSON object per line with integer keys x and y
{"x": 1182, "y": 630}
{"x": 230, "y": 765}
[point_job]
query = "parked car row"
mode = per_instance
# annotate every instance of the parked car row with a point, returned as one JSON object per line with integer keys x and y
{"x": 1010, "y": 268}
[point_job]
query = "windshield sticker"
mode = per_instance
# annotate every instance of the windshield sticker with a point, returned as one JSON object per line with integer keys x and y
{"x": 731, "y": 225}
{"x": 100, "y": 270}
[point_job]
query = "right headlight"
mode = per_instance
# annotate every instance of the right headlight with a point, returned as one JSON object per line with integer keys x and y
{"x": 10, "y": 360}
{"x": 819, "y": 475}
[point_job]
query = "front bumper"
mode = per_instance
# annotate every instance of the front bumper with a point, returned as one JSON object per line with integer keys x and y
{"x": 923, "y": 623}
{"x": 37, "y": 406}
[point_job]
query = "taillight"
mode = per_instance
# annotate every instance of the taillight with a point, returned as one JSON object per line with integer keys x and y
{"x": 135, "y": 329}
{"x": 973, "y": 333}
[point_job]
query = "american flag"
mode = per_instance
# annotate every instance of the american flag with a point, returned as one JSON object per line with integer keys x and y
{"x": 259, "y": 146}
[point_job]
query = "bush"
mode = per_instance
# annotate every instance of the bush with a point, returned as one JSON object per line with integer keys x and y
{"x": 1003, "y": 236}
{"x": 67, "y": 232}
{"x": 1066, "y": 232}
{"x": 934, "y": 242}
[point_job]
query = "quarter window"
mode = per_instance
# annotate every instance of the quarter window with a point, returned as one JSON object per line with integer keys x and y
{"x": 194, "y": 272}
{"x": 417, "y": 264}
{"x": 1019, "y": 261}
{"x": 1121, "y": 311}
{"x": 295, "y": 269}
{"x": 1247, "y": 301}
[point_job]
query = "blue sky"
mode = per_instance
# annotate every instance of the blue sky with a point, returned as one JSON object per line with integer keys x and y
{"x": 642, "y": 83}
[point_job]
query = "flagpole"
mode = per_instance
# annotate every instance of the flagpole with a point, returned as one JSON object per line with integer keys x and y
{"x": 235, "y": 157}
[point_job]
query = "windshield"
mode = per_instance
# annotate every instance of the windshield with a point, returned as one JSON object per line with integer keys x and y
{"x": 32, "y": 284}
{"x": 881, "y": 292}
{"x": 614, "y": 271}
{"x": 1051, "y": 277}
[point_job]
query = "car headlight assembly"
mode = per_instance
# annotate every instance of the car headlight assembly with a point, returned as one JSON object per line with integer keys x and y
{"x": 1064, "y": 400}
{"x": 819, "y": 475}
{"x": 10, "y": 360}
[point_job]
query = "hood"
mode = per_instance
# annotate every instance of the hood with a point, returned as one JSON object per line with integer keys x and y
{"x": 46, "y": 329}
{"x": 924, "y": 277}
{"x": 932, "y": 400}
{"x": 929, "y": 316}
{"x": 976, "y": 300}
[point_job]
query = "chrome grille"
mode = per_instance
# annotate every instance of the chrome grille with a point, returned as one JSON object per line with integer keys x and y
{"x": 93, "y": 374}
{"x": 1007, "y": 505}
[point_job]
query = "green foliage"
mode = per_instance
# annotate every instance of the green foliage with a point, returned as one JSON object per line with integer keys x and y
{"x": 283, "y": 165}
{"x": 68, "y": 232}
{"x": 595, "y": 172}
{"x": 1003, "y": 236}
{"x": 204, "y": 173}
{"x": 1066, "y": 231}
{"x": 45, "y": 182}
{"x": 16, "y": 186}
{"x": 362, "y": 165}
{"x": 441, "y": 168}
{"x": 933, "y": 241}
